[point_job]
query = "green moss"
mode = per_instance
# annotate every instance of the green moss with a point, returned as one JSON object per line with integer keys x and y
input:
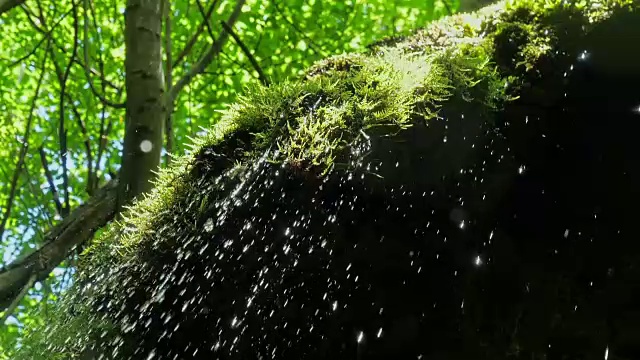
{"x": 480, "y": 57}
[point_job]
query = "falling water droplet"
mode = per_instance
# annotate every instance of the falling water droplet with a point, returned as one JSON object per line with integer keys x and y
{"x": 584, "y": 55}
{"x": 360, "y": 337}
{"x": 208, "y": 225}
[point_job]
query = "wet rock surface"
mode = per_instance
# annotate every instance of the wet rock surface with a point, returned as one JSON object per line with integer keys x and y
{"x": 504, "y": 236}
{"x": 472, "y": 236}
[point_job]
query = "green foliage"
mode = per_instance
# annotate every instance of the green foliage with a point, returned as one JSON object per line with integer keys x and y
{"x": 285, "y": 36}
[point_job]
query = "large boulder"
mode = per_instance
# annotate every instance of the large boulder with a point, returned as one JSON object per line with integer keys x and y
{"x": 467, "y": 192}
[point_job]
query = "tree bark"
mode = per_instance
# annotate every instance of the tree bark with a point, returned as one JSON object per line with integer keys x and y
{"x": 146, "y": 110}
{"x": 77, "y": 228}
{"x": 7, "y": 5}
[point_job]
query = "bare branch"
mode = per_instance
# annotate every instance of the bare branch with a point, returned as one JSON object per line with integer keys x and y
{"x": 76, "y": 229}
{"x": 23, "y": 151}
{"x": 168, "y": 126}
{"x": 215, "y": 48}
{"x": 312, "y": 44}
{"x": 87, "y": 71}
{"x": 446, "y": 6}
{"x": 46, "y": 35}
{"x": 87, "y": 145}
{"x": 18, "y": 298}
{"x": 206, "y": 20}
{"x": 76, "y": 60}
{"x": 247, "y": 52}
{"x": 194, "y": 38}
{"x": 62, "y": 131}
{"x": 52, "y": 186}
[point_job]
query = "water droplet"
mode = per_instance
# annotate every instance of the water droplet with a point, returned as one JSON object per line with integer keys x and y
{"x": 584, "y": 55}
{"x": 478, "y": 261}
{"x": 146, "y": 146}
{"x": 379, "y": 333}
{"x": 606, "y": 353}
{"x": 566, "y": 233}
{"x": 521, "y": 169}
{"x": 208, "y": 225}
{"x": 151, "y": 355}
{"x": 360, "y": 337}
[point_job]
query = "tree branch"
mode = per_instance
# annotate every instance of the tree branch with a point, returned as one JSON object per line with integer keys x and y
{"x": 247, "y": 52}
{"x": 87, "y": 145}
{"x": 12, "y": 307}
{"x": 52, "y": 186}
{"x": 44, "y": 32}
{"x": 206, "y": 21}
{"x": 312, "y": 44}
{"x": 87, "y": 72}
{"x": 6, "y": 5}
{"x": 23, "y": 151}
{"x": 206, "y": 59}
{"x": 168, "y": 126}
{"x": 62, "y": 131}
{"x": 45, "y": 36}
{"x": 75, "y": 229}
{"x": 194, "y": 38}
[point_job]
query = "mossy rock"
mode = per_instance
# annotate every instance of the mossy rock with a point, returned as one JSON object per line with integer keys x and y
{"x": 468, "y": 192}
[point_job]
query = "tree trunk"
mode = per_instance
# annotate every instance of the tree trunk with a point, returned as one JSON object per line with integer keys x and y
{"x": 146, "y": 110}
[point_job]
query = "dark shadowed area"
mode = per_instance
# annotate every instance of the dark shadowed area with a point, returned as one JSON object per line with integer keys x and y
{"x": 477, "y": 236}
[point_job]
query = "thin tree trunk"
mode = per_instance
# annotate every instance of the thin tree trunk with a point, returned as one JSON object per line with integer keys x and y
{"x": 146, "y": 112}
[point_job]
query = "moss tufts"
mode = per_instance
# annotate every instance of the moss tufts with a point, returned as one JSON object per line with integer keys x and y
{"x": 482, "y": 57}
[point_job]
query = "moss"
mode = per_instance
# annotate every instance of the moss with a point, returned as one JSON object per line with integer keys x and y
{"x": 483, "y": 57}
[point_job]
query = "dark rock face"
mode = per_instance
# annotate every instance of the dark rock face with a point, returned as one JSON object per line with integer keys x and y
{"x": 512, "y": 235}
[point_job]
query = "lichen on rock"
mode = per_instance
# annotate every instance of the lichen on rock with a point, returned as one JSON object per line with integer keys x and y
{"x": 346, "y": 215}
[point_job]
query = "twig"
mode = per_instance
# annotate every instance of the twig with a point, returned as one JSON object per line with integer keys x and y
{"x": 446, "y": 6}
{"x": 47, "y": 174}
{"x": 194, "y": 38}
{"x": 206, "y": 21}
{"x": 23, "y": 151}
{"x": 62, "y": 131}
{"x": 55, "y": 44}
{"x": 17, "y": 299}
{"x": 46, "y": 35}
{"x": 87, "y": 72}
{"x": 44, "y": 213}
{"x": 104, "y": 131}
{"x": 312, "y": 44}
{"x": 207, "y": 58}
{"x": 87, "y": 145}
{"x": 168, "y": 126}
{"x": 247, "y": 52}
